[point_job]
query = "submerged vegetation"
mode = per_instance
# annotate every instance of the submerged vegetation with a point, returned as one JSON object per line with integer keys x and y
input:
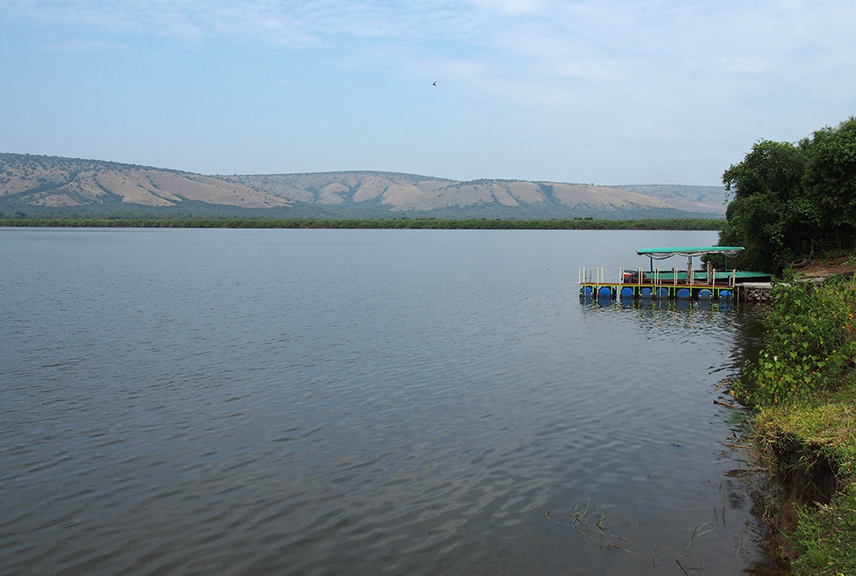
{"x": 585, "y": 223}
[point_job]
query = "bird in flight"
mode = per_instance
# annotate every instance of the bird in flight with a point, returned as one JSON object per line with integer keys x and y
{"x": 434, "y": 83}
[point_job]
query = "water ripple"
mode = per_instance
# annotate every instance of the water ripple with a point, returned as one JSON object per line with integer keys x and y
{"x": 319, "y": 402}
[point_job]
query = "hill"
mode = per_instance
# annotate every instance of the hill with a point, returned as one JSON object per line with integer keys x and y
{"x": 52, "y": 182}
{"x": 50, "y": 185}
{"x": 712, "y": 199}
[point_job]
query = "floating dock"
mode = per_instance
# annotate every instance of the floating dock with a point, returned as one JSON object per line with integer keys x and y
{"x": 661, "y": 288}
{"x": 709, "y": 284}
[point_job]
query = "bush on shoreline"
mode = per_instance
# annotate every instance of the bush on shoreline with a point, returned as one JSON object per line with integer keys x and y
{"x": 803, "y": 389}
{"x": 809, "y": 342}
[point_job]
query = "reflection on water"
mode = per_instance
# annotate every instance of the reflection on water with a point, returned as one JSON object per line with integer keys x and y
{"x": 404, "y": 402}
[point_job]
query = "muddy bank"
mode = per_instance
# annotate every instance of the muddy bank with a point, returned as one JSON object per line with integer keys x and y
{"x": 808, "y": 450}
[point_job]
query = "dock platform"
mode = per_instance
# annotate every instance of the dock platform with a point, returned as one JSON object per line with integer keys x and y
{"x": 716, "y": 286}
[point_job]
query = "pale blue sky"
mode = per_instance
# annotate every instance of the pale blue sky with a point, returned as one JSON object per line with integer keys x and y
{"x": 610, "y": 92}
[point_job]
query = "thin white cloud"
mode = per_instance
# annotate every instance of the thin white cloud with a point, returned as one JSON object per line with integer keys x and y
{"x": 635, "y": 68}
{"x": 620, "y": 30}
{"x": 514, "y": 7}
{"x": 578, "y": 48}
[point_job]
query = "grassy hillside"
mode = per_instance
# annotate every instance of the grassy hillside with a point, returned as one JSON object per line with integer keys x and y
{"x": 706, "y": 199}
{"x": 51, "y": 182}
{"x": 408, "y": 192}
{"x": 45, "y": 186}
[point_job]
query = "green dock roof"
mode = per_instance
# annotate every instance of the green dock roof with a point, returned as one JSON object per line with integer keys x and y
{"x": 663, "y": 253}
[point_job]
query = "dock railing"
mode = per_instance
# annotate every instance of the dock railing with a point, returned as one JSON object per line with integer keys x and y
{"x": 638, "y": 284}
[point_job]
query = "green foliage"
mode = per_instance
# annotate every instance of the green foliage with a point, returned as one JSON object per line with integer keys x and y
{"x": 404, "y": 222}
{"x": 820, "y": 429}
{"x": 760, "y": 217}
{"x": 804, "y": 385}
{"x": 825, "y": 536}
{"x": 792, "y": 199}
{"x": 809, "y": 342}
{"x": 830, "y": 180}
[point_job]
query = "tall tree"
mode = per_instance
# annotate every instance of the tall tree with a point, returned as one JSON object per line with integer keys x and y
{"x": 830, "y": 181}
{"x": 761, "y": 217}
{"x": 790, "y": 200}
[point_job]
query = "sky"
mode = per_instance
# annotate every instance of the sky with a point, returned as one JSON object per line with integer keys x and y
{"x": 609, "y": 92}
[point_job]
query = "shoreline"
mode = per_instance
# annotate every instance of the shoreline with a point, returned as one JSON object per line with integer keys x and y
{"x": 403, "y": 222}
{"x": 801, "y": 394}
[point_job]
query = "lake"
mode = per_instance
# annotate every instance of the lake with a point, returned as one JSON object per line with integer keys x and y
{"x": 361, "y": 401}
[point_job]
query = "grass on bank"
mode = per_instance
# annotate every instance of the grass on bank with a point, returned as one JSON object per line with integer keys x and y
{"x": 383, "y": 223}
{"x": 803, "y": 389}
{"x": 813, "y": 442}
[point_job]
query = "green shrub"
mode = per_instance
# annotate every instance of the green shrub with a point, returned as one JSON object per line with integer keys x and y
{"x": 809, "y": 342}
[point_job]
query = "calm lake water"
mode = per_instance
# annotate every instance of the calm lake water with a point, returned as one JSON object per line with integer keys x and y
{"x": 360, "y": 401}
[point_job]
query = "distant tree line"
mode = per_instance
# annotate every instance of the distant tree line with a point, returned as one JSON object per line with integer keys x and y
{"x": 391, "y": 223}
{"x": 793, "y": 200}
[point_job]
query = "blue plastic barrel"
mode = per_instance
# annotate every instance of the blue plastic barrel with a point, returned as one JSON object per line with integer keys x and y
{"x": 585, "y": 291}
{"x": 683, "y": 294}
{"x": 627, "y": 292}
{"x": 645, "y": 292}
{"x": 662, "y": 293}
{"x": 604, "y": 292}
{"x": 704, "y": 294}
{"x": 725, "y": 295}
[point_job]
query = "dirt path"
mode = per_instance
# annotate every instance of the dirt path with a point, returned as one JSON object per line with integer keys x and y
{"x": 824, "y": 268}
